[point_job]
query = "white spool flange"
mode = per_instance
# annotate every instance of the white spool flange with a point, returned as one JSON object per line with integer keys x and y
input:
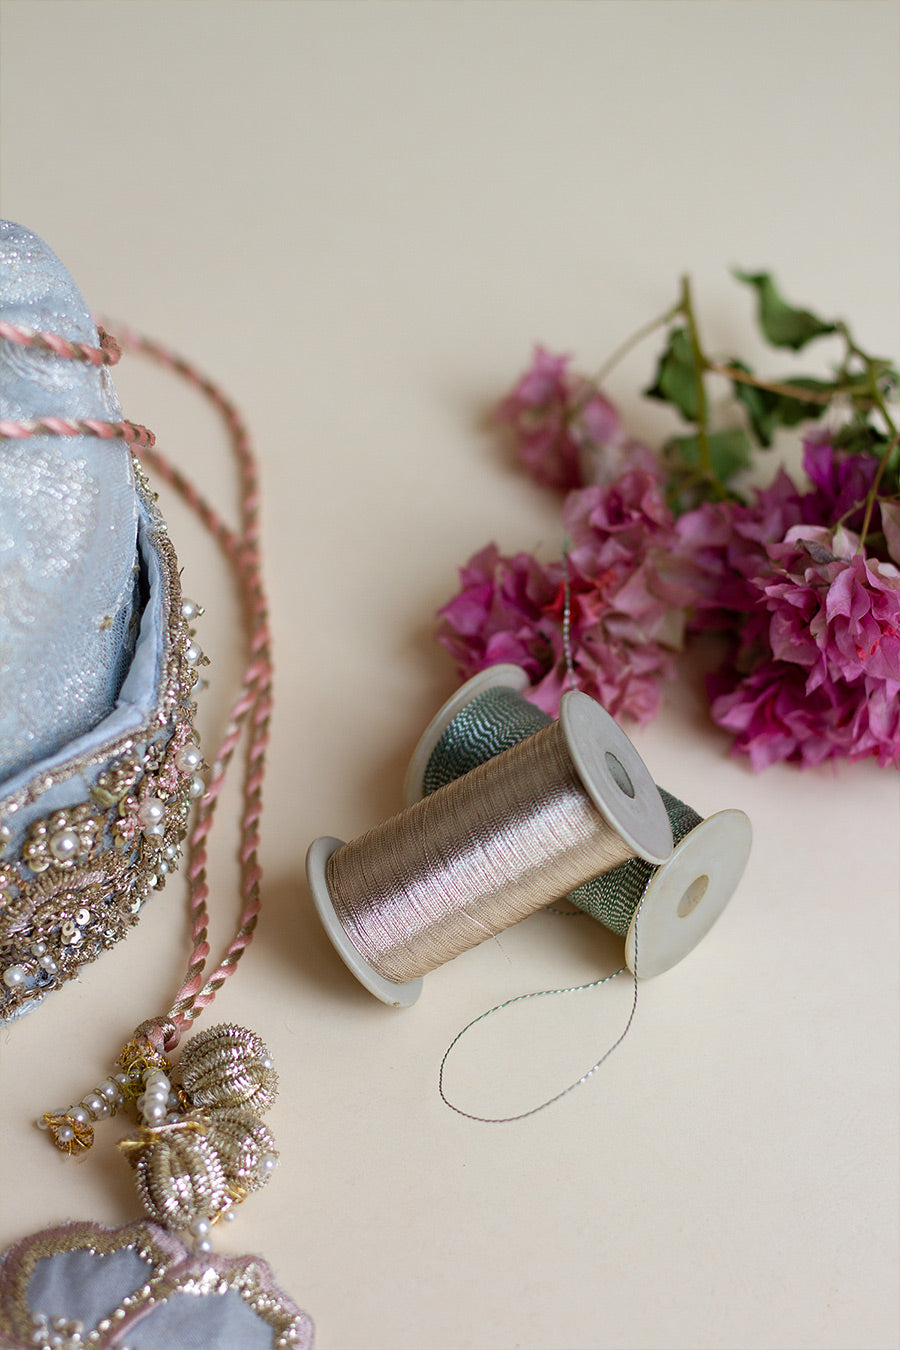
{"x": 686, "y": 895}
{"x": 504, "y": 677}
{"x": 615, "y": 777}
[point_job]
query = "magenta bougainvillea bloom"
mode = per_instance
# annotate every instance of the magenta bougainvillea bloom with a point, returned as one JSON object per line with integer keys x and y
{"x": 798, "y": 579}
{"x": 567, "y": 432}
{"x": 841, "y": 482}
{"x": 507, "y": 609}
{"x": 827, "y": 680}
{"x": 629, "y": 559}
{"x": 629, "y": 583}
{"x": 773, "y": 716}
{"x": 832, "y": 609}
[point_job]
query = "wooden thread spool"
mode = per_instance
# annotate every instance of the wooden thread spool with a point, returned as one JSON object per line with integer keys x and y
{"x": 481, "y": 853}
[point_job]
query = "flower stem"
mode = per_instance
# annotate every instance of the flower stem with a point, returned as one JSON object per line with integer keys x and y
{"x": 631, "y": 342}
{"x": 885, "y": 456}
{"x": 789, "y": 391}
{"x": 876, "y": 483}
{"x": 701, "y": 365}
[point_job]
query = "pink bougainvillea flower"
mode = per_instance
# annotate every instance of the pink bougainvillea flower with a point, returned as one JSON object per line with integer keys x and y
{"x": 841, "y": 482}
{"x": 507, "y": 609}
{"x": 629, "y": 585}
{"x": 626, "y": 552}
{"x": 567, "y": 433}
{"x": 828, "y": 682}
{"x": 727, "y": 541}
{"x": 773, "y": 716}
{"x": 890, "y": 524}
{"x": 832, "y": 609}
{"x": 537, "y": 409}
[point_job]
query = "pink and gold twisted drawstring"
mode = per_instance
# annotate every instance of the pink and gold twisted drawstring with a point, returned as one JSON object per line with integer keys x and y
{"x": 106, "y": 354}
{"x": 251, "y": 709}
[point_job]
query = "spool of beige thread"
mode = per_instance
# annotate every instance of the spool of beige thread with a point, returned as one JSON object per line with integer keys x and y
{"x": 677, "y": 902}
{"x": 487, "y": 850}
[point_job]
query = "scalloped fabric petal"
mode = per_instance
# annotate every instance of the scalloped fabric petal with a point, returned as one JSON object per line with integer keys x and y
{"x": 141, "y": 1286}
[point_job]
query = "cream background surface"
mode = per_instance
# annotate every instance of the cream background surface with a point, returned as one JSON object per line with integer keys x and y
{"x": 359, "y": 217}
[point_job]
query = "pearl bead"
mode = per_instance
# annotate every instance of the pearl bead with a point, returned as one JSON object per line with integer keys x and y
{"x": 38, "y": 948}
{"x": 108, "y": 1089}
{"x": 48, "y": 963}
{"x": 192, "y": 654}
{"x": 189, "y": 758}
{"x": 151, "y": 811}
{"x": 14, "y": 976}
{"x": 153, "y": 831}
{"x": 95, "y": 1104}
{"x": 171, "y": 852}
{"x": 200, "y": 1227}
{"x": 197, "y": 787}
{"x": 65, "y": 1134}
{"x": 204, "y": 1246}
{"x": 64, "y": 845}
{"x": 268, "y": 1162}
{"x": 5, "y": 836}
{"x": 190, "y": 609}
{"x": 79, "y": 1114}
{"x": 155, "y": 1112}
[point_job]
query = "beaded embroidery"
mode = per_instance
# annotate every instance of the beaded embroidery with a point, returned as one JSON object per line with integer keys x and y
{"x": 73, "y": 880}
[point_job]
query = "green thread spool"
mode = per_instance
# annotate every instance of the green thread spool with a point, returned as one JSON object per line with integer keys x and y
{"x": 678, "y": 901}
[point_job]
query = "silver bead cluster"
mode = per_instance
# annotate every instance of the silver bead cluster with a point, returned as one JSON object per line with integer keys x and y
{"x": 228, "y": 1066}
{"x": 202, "y": 1147}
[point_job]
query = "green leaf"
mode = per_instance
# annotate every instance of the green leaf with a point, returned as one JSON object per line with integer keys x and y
{"x": 729, "y": 452}
{"x": 860, "y": 438}
{"x": 768, "y": 410}
{"x": 782, "y": 324}
{"x": 676, "y": 376}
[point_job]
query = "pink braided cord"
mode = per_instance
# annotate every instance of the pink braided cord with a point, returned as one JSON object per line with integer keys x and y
{"x": 107, "y": 354}
{"x": 130, "y": 432}
{"x": 250, "y": 714}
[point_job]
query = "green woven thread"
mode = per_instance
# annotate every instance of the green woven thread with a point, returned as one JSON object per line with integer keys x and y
{"x": 495, "y": 720}
{"x": 498, "y": 719}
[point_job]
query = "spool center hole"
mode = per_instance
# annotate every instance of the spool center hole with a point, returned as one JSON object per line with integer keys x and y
{"x": 620, "y": 777}
{"x": 692, "y": 896}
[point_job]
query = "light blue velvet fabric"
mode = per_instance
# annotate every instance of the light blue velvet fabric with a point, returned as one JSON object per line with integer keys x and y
{"x": 68, "y": 523}
{"x": 84, "y": 598}
{"x": 144, "y": 1287}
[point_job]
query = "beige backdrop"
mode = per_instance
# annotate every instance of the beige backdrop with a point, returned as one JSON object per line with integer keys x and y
{"x": 359, "y": 217}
